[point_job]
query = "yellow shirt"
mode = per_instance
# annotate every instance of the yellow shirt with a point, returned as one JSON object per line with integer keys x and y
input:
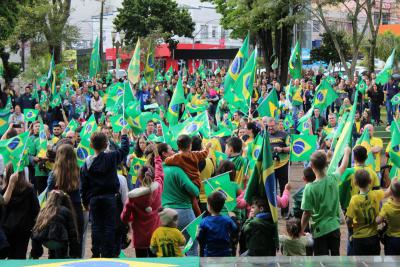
{"x": 205, "y": 174}
{"x": 376, "y": 141}
{"x": 391, "y": 212}
{"x": 358, "y": 126}
{"x": 166, "y": 241}
{"x": 372, "y": 174}
{"x": 363, "y": 209}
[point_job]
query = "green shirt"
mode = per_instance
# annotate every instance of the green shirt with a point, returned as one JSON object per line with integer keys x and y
{"x": 297, "y": 197}
{"x": 34, "y": 147}
{"x": 178, "y": 189}
{"x": 321, "y": 198}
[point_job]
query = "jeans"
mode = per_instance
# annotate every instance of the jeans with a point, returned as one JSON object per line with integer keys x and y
{"x": 367, "y": 246}
{"x": 186, "y": 216}
{"x": 392, "y": 245}
{"x": 103, "y": 212}
{"x": 390, "y": 109}
{"x": 328, "y": 244}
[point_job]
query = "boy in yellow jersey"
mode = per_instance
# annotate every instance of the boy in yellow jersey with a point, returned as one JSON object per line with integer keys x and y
{"x": 390, "y": 213}
{"x": 360, "y": 156}
{"x": 167, "y": 240}
{"x": 361, "y": 215}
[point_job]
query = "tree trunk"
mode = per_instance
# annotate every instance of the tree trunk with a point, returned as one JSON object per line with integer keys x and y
{"x": 371, "y": 56}
{"x": 7, "y": 73}
{"x": 265, "y": 37}
{"x": 56, "y": 49}
{"x": 277, "y": 45}
{"x": 286, "y": 41}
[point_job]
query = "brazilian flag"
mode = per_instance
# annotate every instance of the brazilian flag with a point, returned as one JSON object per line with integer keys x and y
{"x": 192, "y": 229}
{"x": 302, "y": 146}
{"x": 4, "y": 116}
{"x": 118, "y": 123}
{"x": 237, "y": 65}
{"x": 394, "y": 149}
{"x": 361, "y": 86}
{"x": 364, "y": 141}
{"x": 384, "y": 76}
{"x": 192, "y": 126}
{"x": 222, "y": 132}
{"x": 71, "y": 127}
{"x": 254, "y": 150}
{"x": 42, "y": 140}
{"x": 395, "y": 99}
{"x": 304, "y": 122}
{"x": 14, "y": 150}
{"x": 133, "y": 109}
{"x": 193, "y": 108}
{"x": 30, "y": 114}
{"x": 55, "y": 101}
{"x": 288, "y": 122}
{"x": 262, "y": 181}
{"x": 134, "y": 169}
{"x": 295, "y": 62}
{"x": 269, "y": 105}
{"x": 223, "y": 184}
{"x": 219, "y": 156}
{"x": 169, "y": 74}
{"x": 84, "y": 150}
{"x": 325, "y": 95}
{"x": 177, "y": 98}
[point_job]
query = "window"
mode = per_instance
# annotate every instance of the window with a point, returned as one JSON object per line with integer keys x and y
{"x": 384, "y": 20}
{"x": 204, "y": 31}
{"x": 214, "y": 32}
{"x": 316, "y": 26}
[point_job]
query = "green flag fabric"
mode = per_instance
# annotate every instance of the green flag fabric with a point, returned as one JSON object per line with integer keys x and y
{"x": 42, "y": 141}
{"x": 237, "y": 64}
{"x": 302, "y": 146}
{"x": 269, "y": 105}
{"x": 118, "y": 122}
{"x": 95, "y": 63}
{"x": 295, "y": 62}
{"x": 223, "y": 184}
{"x": 395, "y": 99}
{"x": 324, "y": 95}
{"x": 149, "y": 68}
{"x": 394, "y": 152}
{"x": 177, "y": 98}
{"x": 364, "y": 141}
{"x": 30, "y": 114}
{"x": 84, "y": 150}
{"x": 4, "y": 116}
{"x": 14, "y": 150}
{"x": 192, "y": 229}
{"x": 169, "y": 74}
{"x": 134, "y": 65}
{"x": 361, "y": 86}
{"x": 72, "y": 126}
{"x": 304, "y": 122}
{"x": 134, "y": 169}
{"x": 384, "y": 76}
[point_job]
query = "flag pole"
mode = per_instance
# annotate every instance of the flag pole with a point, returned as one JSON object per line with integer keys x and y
{"x": 216, "y": 176}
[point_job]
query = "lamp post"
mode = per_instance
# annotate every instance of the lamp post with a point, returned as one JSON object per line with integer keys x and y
{"x": 117, "y": 41}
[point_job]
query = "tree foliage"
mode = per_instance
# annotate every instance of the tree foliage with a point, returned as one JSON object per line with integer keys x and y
{"x": 270, "y": 23}
{"x": 140, "y": 18}
{"x": 327, "y": 52}
{"x": 384, "y": 45}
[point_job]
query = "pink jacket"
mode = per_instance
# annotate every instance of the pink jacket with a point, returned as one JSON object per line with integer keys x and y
{"x": 283, "y": 201}
{"x": 141, "y": 208}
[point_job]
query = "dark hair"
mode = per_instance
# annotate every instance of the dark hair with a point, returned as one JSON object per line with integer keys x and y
{"x": 146, "y": 175}
{"x": 318, "y": 160}
{"x": 253, "y": 127}
{"x": 184, "y": 141}
{"x": 138, "y": 151}
{"x": 362, "y": 178}
{"x": 216, "y": 201}
{"x": 309, "y": 174}
{"x": 261, "y": 203}
{"x": 99, "y": 141}
{"x": 360, "y": 154}
{"x": 226, "y": 166}
{"x": 293, "y": 227}
{"x": 235, "y": 143}
{"x": 196, "y": 143}
{"x": 78, "y": 129}
{"x": 11, "y": 133}
{"x": 162, "y": 148}
{"x": 395, "y": 189}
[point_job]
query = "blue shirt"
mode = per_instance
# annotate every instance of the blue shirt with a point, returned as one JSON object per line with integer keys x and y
{"x": 391, "y": 89}
{"x": 215, "y": 235}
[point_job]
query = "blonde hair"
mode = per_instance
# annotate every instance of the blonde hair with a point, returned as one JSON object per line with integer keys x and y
{"x": 66, "y": 170}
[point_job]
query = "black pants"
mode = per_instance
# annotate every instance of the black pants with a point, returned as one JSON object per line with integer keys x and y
{"x": 103, "y": 212}
{"x": 328, "y": 244}
{"x": 40, "y": 184}
{"x": 79, "y": 220}
{"x": 367, "y": 246}
{"x": 281, "y": 175}
{"x": 18, "y": 244}
{"x": 144, "y": 253}
{"x": 392, "y": 245}
{"x": 376, "y": 113}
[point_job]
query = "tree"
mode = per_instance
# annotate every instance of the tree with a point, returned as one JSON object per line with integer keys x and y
{"x": 9, "y": 15}
{"x": 374, "y": 29}
{"x": 353, "y": 10}
{"x": 384, "y": 46}
{"x": 327, "y": 52}
{"x": 269, "y": 22}
{"x": 48, "y": 19}
{"x": 138, "y": 18}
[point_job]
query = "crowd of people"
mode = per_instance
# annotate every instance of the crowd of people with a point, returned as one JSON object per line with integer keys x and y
{"x": 152, "y": 206}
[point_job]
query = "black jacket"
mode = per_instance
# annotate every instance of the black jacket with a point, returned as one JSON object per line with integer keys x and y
{"x": 19, "y": 215}
{"x": 99, "y": 174}
{"x": 26, "y": 101}
{"x": 61, "y": 229}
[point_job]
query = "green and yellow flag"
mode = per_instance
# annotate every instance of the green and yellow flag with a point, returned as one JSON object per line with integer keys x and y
{"x": 384, "y": 76}
{"x": 325, "y": 95}
{"x": 84, "y": 150}
{"x": 223, "y": 184}
{"x": 302, "y": 146}
{"x": 134, "y": 169}
{"x": 149, "y": 68}
{"x": 4, "y": 116}
{"x": 177, "y": 98}
{"x": 118, "y": 122}
{"x": 14, "y": 150}
{"x": 95, "y": 63}
{"x": 134, "y": 65}
{"x": 42, "y": 141}
{"x": 169, "y": 74}
{"x": 269, "y": 105}
{"x": 237, "y": 65}
{"x": 30, "y": 114}
{"x": 192, "y": 229}
{"x": 295, "y": 63}
{"x": 364, "y": 141}
{"x": 72, "y": 126}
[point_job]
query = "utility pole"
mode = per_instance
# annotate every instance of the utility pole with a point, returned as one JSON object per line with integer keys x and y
{"x": 101, "y": 32}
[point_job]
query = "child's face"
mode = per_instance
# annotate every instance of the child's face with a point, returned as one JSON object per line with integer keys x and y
{"x": 256, "y": 209}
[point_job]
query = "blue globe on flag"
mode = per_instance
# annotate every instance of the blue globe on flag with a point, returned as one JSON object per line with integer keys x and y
{"x": 236, "y": 65}
{"x": 88, "y": 128}
{"x": 82, "y": 153}
{"x": 175, "y": 108}
{"x": 320, "y": 96}
{"x": 122, "y": 122}
{"x": 191, "y": 128}
{"x": 14, "y": 144}
{"x": 298, "y": 147}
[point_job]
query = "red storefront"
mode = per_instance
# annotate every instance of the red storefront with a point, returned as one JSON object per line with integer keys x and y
{"x": 162, "y": 53}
